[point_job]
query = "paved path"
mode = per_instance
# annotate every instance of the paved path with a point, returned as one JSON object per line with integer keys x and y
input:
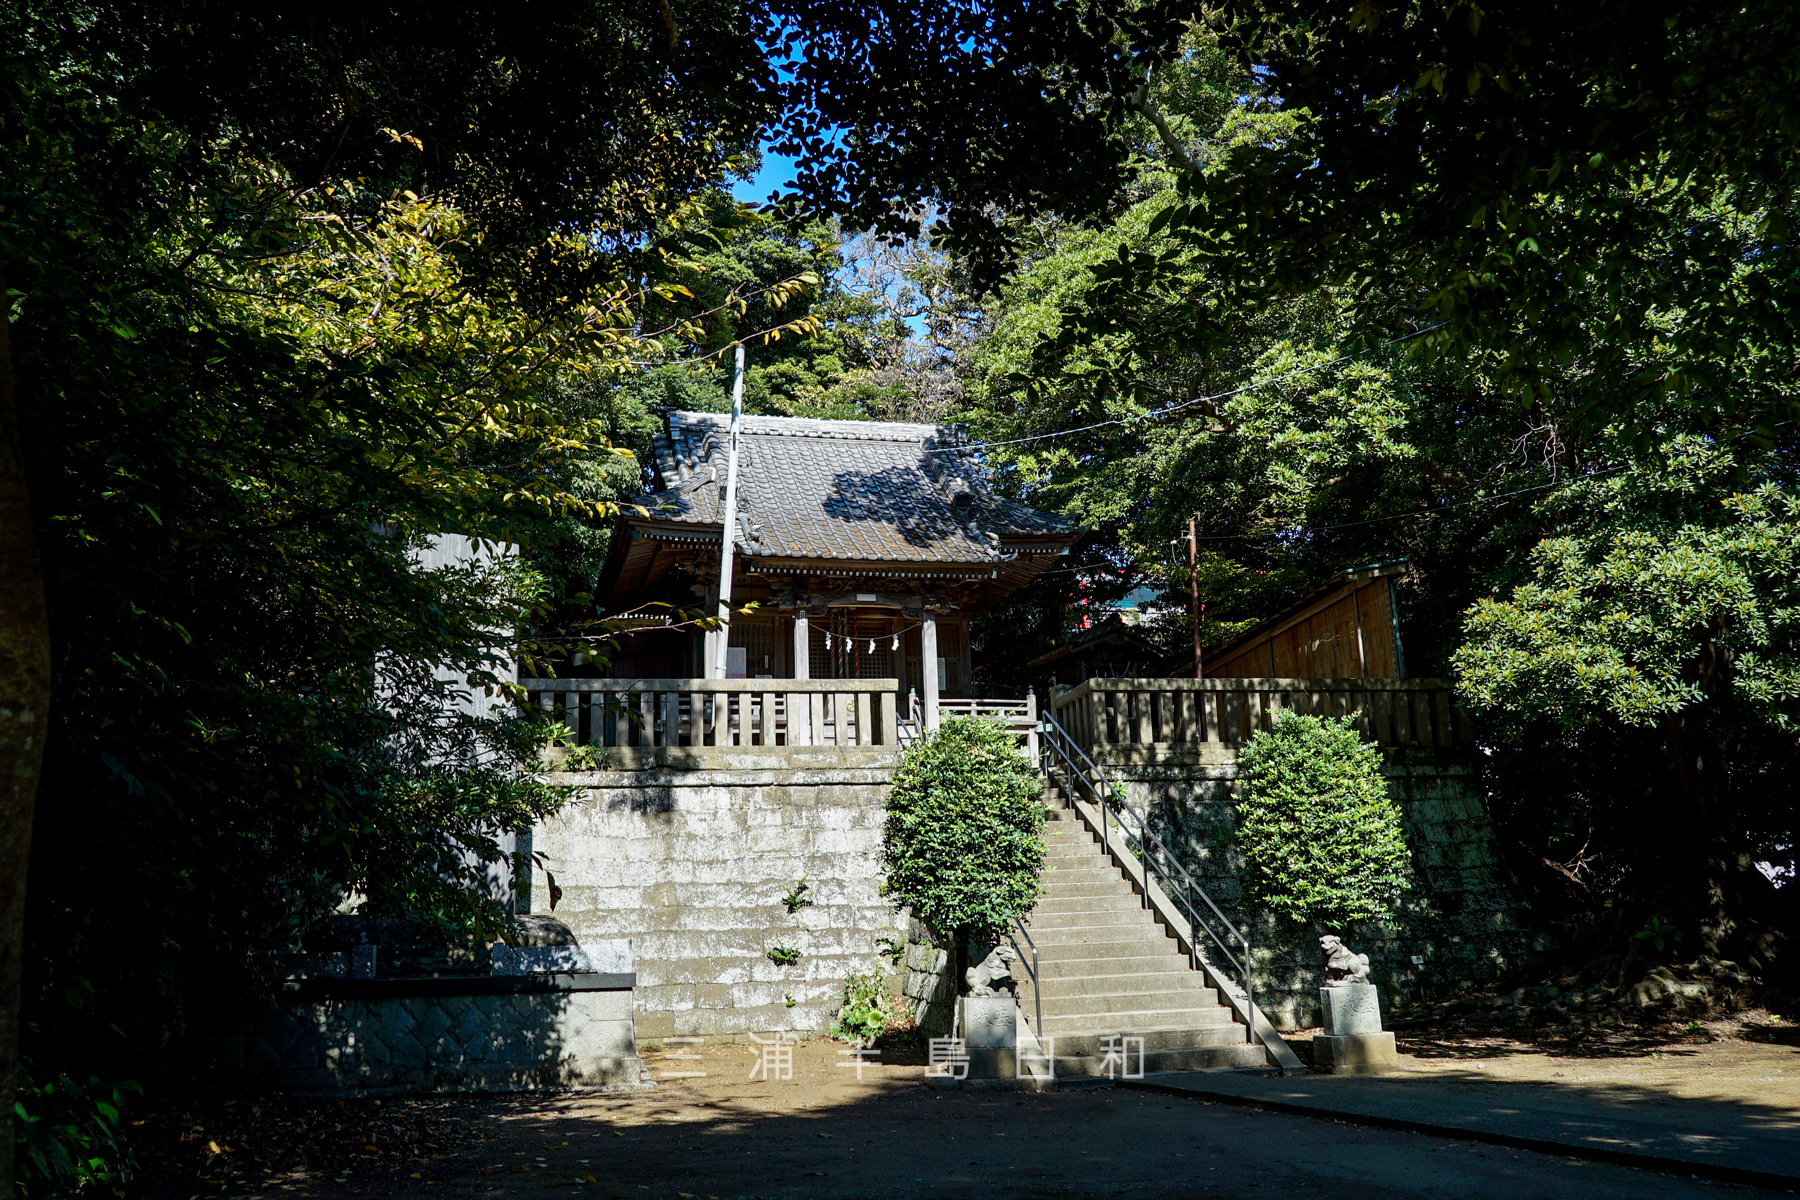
{"x": 823, "y": 1135}
{"x": 1715, "y": 1137}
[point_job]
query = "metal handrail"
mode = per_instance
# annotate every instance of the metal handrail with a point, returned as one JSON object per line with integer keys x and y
{"x": 1037, "y": 985}
{"x": 1183, "y": 890}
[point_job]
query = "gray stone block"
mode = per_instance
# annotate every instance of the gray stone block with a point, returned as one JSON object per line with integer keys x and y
{"x": 1357, "y": 1054}
{"x": 1350, "y": 1011}
{"x": 990, "y": 1022}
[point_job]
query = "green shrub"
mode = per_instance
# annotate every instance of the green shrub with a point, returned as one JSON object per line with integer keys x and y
{"x": 68, "y": 1138}
{"x": 865, "y": 1013}
{"x": 798, "y": 896}
{"x": 1321, "y": 837}
{"x": 964, "y": 839}
{"x": 783, "y": 956}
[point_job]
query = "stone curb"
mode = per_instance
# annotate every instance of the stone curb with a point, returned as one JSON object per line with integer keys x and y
{"x": 1625, "y": 1158}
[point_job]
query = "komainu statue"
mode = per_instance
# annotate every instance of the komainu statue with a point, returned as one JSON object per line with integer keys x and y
{"x": 992, "y": 972}
{"x": 1343, "y": 966}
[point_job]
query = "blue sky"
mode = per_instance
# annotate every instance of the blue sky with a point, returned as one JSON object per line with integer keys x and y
{"x": 776, "y": 171}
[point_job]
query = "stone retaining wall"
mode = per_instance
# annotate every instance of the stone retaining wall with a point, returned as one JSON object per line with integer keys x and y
{"x": 928, "y": 989}
{"x": 1462, "y": 917}
{"x": 375, "y": 1043}
{"x": 690, "y": 858}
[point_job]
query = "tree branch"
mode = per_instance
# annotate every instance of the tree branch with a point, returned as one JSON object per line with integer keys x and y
{"x": 1141, "y": 101}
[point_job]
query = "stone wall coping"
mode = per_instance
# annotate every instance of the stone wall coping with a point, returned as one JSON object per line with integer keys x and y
{"x": 1177, "y": 767}
{"x": 632, "y": 768}
{"x": 457, "y": 985}
{"x": 1247, "y": 684}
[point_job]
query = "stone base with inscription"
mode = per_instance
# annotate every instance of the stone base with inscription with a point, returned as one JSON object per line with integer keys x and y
{"x": 1353, "y": 1042}
{"x": 991, "y": 1031}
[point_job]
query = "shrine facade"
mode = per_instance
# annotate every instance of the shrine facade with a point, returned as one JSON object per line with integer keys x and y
{"x": 867, "y": 549}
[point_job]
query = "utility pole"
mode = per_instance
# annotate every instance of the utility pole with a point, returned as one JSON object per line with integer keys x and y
{"x": 730, "y": 530}
{"x": 1193, "y": 541}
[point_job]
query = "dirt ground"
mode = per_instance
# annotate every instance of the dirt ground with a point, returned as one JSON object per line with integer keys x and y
{"x": 717, "y": 1127}
{"x": 1752, "y": 1057}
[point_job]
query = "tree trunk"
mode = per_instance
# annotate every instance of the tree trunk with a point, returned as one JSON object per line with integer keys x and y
{"x": 1714, "y": 885}
{"x": 24, "y": 720}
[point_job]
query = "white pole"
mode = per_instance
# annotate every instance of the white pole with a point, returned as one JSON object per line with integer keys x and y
{"x": 928, "y": 648}
{"x": 730, "y": 534}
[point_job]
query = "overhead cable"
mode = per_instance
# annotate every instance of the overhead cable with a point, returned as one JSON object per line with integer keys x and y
{"x": 1158, "y": 414}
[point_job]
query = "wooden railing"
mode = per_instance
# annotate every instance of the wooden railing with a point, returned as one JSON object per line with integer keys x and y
{"x": 1019, "y": 716}
{"x": 1104, "y": 713}
{"x": 721, "y": 712}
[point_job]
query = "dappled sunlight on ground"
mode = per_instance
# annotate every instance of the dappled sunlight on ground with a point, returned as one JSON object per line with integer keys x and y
{"x": 823, "y": 1134}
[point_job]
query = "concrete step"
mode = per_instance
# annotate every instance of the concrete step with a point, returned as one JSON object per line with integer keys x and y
{"x": 1188, "y": 985}
{"x": 1080, "y": 862}
{"x": 1053, "y": 941}
{"x": 1152, "y": 1062}
{"x": 1091, "y": 901}
{"x": 1169, "y": 1025}
{"x": 1119, "y": 966}
{"x": 1062, "y": 889}
{"x": 1057, "y": 949}
{"x": 1061, "y": 877}
{"x": 1073, "y": 849}
{"x": 1060, "y": 1003}
{"x": 1093, "y": 918}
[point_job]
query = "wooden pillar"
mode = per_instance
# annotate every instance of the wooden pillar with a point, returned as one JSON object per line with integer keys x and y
{"x": 928, "y": 654}
{"x": 1031, "y": 715}
{"x": 802, "y": 645}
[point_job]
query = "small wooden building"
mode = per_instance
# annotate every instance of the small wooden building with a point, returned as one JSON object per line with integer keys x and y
{"x": 868, "y": 547}
{"x": 1349, "y": 629}
{"x": 1111, "y": 650}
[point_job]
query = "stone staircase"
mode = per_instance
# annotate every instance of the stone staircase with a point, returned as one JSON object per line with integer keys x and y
{"x": 1108, "y": 969}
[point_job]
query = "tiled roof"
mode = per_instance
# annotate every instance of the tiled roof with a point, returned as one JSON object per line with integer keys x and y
{"x": 869, "y": 490}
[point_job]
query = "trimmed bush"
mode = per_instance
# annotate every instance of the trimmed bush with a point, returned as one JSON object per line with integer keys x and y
{"x": 1321, "y": 836}
{"x": 964, "y": 840}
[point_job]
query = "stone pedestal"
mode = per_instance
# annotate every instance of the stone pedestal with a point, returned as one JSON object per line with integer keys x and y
{"x": 990, "y": 1027}
{"x": 1353, "y": 1042}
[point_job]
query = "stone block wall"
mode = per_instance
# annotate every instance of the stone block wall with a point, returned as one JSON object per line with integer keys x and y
{"x": 928, "y": 988}
{"x": 374, "y": 1045}
{"x": 1461, "y": 917}
{"x": 690, "y": 859}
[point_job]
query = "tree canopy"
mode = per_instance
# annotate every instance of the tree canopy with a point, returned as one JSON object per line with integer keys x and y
{"x": 1505, "y": 290}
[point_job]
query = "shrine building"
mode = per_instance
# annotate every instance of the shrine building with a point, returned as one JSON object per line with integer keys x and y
{"x": 868, "y": 548}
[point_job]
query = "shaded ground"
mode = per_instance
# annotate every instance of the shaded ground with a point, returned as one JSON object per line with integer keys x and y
{"x": 822, "y": 1133}
{"x": 1752, "y": 1058}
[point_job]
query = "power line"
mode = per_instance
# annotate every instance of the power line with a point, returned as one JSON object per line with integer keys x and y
{"x": 1418, "y": 512}
{"x": 1421, "y": 512}
{"x": 1160, "y": 413}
